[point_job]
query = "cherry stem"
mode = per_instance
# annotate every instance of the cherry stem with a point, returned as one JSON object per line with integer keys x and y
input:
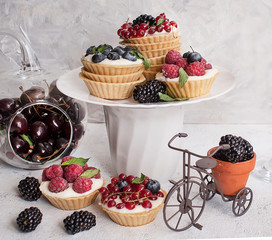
{"x": 50, "y": 156}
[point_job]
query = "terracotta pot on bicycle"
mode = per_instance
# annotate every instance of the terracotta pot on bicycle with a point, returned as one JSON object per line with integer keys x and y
{"x": 232, "y": 177}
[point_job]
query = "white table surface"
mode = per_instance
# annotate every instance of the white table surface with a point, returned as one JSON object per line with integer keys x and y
{"x": 217, "y": 219}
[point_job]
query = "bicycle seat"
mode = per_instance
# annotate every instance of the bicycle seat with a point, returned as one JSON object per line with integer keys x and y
{"x": 206, "y": 163}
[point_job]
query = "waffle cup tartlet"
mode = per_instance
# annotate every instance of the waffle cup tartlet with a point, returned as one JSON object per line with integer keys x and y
{"x": 73, "y": 203}
{"x": 111, "y": 90}
{"x": 104, "y": 69}
{"x": 161, "y": 52}
{"x": 135, "y": 219}
{"x": 153, "y": 46}
{"x": 124, "y": 78}
{"x": 190, "y": 89}
{"x": 157, "y": 60}
{"x": 156, "y": 38}
{"x": 150, "y": 75}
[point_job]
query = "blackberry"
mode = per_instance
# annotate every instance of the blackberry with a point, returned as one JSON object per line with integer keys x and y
{"x": 29, "y": 189}
{"x": 144, "y": 18}
{"x": 148, "y": 92}
{"x": 240, "y": 149}
{"x": 79, "y": 221}
{"x": 29, "y": 219}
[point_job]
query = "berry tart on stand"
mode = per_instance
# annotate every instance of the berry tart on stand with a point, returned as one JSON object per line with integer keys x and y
{"x": 71, "y": 185}
{"x": 132, "y": 201}
{"x": 112, "y": 73}
{"x": 154, "y": 37}
{"x": 188, "y": 75}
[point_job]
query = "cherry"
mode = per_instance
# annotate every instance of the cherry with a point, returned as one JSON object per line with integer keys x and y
{"x": 130, "y": 205}
{"x": 32, "y": 94}
{"x": 19, "y": 124}
{"x": 39, "y": 131}
{"x": 7, "y": 106}
{"x": 147, "y": 204}
{"x": 43, "y": 149}
{"x": 54, "y": 123}
{"x": 60, "y": 143}
{"x": 19, "y": 145}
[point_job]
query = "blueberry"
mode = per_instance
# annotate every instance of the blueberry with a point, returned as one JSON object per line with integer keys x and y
{"x": 185, "y": 55}
{"x": 153, "y": 186}
{"x": 193, "y": 57}
{"x": 98, "y": 57}
{"x": 121, "y": 184}
{"x": 90, "y": 50}
{"x": 128, "y": 48}
{"x": 113, "y": 55}
{"x": 129, "y": 56}
{"x": 107, "y": 49}
{"x": 120, "y": 50}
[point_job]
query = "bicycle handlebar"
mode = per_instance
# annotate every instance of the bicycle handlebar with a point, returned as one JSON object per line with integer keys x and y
{"x": 223, "y": 146}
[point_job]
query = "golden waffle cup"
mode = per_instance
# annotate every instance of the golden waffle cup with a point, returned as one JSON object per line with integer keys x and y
{"x": 155, "y": 68}
{"x": 191, "y": 88}
{"x": 160, "y": 52}
{"x": 113, "y": 78}
{"x": 157, "y": 60}
{"x": 156, "y": 38}
{"x": 104, "y": 69}
{"x": 111, "y": 90}
{"x": 153, "y": 46}
{"x": 150, "y": 75}
{"x": 135, "y": 219}
{"x": 73, "y": 203}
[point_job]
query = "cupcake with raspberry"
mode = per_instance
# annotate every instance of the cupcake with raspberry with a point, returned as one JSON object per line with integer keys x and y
{"x": 112, "y": 73}
{"x": 154, "y": 37}
{"x": 71, "y": 185}
{"x": 188, "y": 75}
{"x": 132, "y": 201}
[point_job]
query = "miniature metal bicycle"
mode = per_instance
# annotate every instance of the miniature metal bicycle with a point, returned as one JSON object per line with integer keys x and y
{"x": 186, "y": 200}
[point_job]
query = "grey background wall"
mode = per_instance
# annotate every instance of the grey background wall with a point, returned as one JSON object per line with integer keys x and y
{"x": 233, "y": 34}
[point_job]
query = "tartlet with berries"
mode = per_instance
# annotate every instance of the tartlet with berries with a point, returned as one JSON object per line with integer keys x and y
{"x": 132, "y": 201}
{"x": 72, "y": 184}
{"x": 188, "y": 75}
{"x": 112, "y": 73}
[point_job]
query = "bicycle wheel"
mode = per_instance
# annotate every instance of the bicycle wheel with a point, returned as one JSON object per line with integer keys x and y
{"x": 242, "y": 201}
{"x": 184, "y": 205}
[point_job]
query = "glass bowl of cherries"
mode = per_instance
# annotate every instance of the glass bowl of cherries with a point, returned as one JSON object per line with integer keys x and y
{"x": 37, "y": 129}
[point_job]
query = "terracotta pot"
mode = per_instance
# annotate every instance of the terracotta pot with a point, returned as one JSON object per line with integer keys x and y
{"x": 232, "y": 177}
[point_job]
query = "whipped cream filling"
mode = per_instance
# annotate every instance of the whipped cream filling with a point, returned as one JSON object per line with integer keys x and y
{"x": 208, "y": 74}
{"x": 69, "y": 192}
{"x": 137, "y": 209}
{"x": 121, "y": 61}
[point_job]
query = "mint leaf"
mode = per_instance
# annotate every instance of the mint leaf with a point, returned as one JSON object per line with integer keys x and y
{"x": 160, "y": 21}
{"x": 139, "y": 180}
{"x": 90, "y": 173}
{"x": 102, "y": 48}
{"x": 166, "y": 98}
{"x": 138, "y": 55}
{"x": 80, "y": 161}
{"x": 183, "y": 77}
{"x": 27, "y": 139}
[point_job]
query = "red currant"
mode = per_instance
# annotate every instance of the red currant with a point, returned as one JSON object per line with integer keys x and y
{"x": 111, "y": 203}
{"x": 145, "y": 193}
{"x": 122, "y": 176}
{"x": 126, "y": 34}
{"x": 130, "y": 178}
{"x": 140, "y": 33}
{"x": 133, "y": 34}
{"x": 136, "y": 27}
{"x": 167, "y": 28}
{"x": 130, "y": 29}
{"x": 135, "y": 196}
{"x": 120, "y": 205}
{"x": 119, "y": 32}
{"x": 127, "y": 189}
{"x": 113, "y": 188}
{"x": 160, "y": 194}
{"x": 104, "y": 196}
{"x": 125, "y": 26}
{"x": 138, "y": 187}
{"x": 114, "y": 180}
{"x": 113, "y": 197}
{"x": 147, "y": 204}
{"x": 103, "y": 189}
{"x": 151, "y": 31}
{"x": 153, "y": 198}
{"x": 159, "y": 28}
{"x": 144, "y": 26}
{"x": 174, "y": 24}
{"x": 130, "y": 205}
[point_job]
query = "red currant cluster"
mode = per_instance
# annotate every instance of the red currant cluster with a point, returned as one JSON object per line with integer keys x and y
{"x": 124, "y": 192}
{"x": 130, "y": 30}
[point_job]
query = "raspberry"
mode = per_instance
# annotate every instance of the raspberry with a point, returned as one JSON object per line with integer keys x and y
{"x": 71, "y": 172}
{"x": 203, "y": 61}
{"x": 208, "y": 66}
{"x": 54, "y": 171}
{"x": 172, "y": 57}
{"x": 195, "y": 69}
{"x": 96, "y": 176}
{"x": 44, "y": 178}
{"x": 183, "y": 62}
{"x": 57, "y": 184}
{"x": 67, "y": 158}
{"x": 82, "y": 185}
{"x": 170, "y": 70}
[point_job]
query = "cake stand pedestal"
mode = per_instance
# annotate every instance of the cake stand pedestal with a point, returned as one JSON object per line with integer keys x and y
{"x": 139, "y": 133}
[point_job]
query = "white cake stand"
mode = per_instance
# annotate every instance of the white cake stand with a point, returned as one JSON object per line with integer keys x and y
{"x": 139, "y": 133}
